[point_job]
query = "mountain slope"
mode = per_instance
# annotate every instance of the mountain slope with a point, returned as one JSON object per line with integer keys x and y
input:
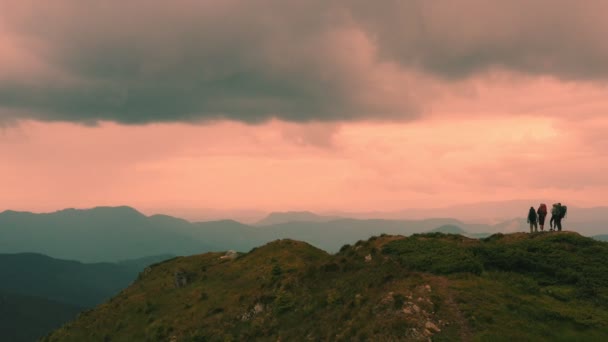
{"x": 39, "y": 293}
{"x": 27, "y": 318}
{"x": 551, "y": 286}
{"x": 70, "y": 282}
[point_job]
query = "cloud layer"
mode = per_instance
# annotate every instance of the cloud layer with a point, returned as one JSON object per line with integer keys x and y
{"x": 146, "y": 61}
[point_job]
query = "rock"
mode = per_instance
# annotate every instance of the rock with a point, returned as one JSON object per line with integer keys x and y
{"x": 431, "y": 326}
{"x": 427, "y": 287}
{"x": 230, "y": 255}
{"x": 258, "y": 308}
{"x": 358, "y": 299}
{"x": 145, "y": 272}
{"x": 368, "y": 258}
{"x": 388, "y": 300}
{"x": 407, "y": 311}
{"x": 180, "y": 279}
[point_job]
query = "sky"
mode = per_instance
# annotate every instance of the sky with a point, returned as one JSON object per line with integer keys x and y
{"x": 322, "y": 105}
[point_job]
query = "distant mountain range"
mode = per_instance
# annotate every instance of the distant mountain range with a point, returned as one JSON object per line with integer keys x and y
{"x": 294, "y": 216}
{"x": 117, "y": 233}
{"x": 590, "y": 221}
{"x": 96, "y": 235}
{"x": 601, "y": 237}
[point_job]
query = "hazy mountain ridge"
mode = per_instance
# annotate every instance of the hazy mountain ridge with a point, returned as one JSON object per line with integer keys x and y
{"x": 445, "y": 287}
{"x": 295, "y": 216}
{"x": 96, "y": 235}
{"x": 119, "y": 233}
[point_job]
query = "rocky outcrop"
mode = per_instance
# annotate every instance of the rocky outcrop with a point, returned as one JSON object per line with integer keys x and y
{"x": 231, "y": 255}
{"x": 257, "y": 309}
{"x": 415, "y": 308}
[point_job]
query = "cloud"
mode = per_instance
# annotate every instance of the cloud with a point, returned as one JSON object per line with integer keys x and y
{"x": 454, "y": 39}
{"x": 189, "y": 61}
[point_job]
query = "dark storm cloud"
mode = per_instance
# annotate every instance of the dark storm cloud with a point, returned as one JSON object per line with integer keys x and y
{"x": 455, "y": 39}
{"x": 159, "y": 61}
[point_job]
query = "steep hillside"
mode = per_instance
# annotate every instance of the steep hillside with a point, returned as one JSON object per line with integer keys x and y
{"x": 551, "y": 286}
{"x": 39, "y": 293}
{"x": 27, "y": 318}
{"x": 70, "y": 282}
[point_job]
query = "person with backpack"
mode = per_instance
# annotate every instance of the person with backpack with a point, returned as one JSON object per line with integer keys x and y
{"x": 542, "y": 214}
{"x": 561, "y": 214}
{"x": 532, "y": 220}
{"x": 558, "y": 212}
{"x": 554, "y": 214}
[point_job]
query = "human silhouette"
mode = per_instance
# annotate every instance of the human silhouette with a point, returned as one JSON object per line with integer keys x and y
{"x": 532, "y": 220}
{"x": 542, "y": 214}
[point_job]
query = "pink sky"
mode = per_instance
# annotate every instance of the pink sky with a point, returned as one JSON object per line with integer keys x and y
{"x": 312, "y": 106}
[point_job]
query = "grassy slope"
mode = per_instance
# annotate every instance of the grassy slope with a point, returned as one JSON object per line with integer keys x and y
{"x": 507, "y": 287}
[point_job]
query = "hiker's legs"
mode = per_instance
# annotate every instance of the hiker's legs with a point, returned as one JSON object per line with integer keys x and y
{"x": 558, "y": 224}
{"x": 531, "y": 224}
{"x": 535, "y": 227}
{"x": 541, "y": 222}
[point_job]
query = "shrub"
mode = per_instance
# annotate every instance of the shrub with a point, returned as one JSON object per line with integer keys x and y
{"x": 432, "y": 253}
{"x": 276, "y": 271}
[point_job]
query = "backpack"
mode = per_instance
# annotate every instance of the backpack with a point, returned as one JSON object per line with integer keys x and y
{"x": 555, "y": 210}
{"x": 542, "y": 210}
{"x": 563, "y": 210}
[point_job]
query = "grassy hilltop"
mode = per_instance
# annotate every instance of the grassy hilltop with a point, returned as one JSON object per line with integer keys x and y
{"x": 515, "y": 287}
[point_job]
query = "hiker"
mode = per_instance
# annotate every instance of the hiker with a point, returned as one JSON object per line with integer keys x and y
{"x": 561, "y": 214}
{"x": 542, "y": 214}
{"x": 532, "y": 220}
{"x": 558, "y": 212}
{"x": 553, "y": 217}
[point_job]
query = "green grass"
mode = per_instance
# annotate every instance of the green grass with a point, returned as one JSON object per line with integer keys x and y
{"x": 507, "y": 287}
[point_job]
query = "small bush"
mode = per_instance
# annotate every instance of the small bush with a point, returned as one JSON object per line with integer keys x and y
{"x": 398, "y": 301}
{"x": 276, "y": 271}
